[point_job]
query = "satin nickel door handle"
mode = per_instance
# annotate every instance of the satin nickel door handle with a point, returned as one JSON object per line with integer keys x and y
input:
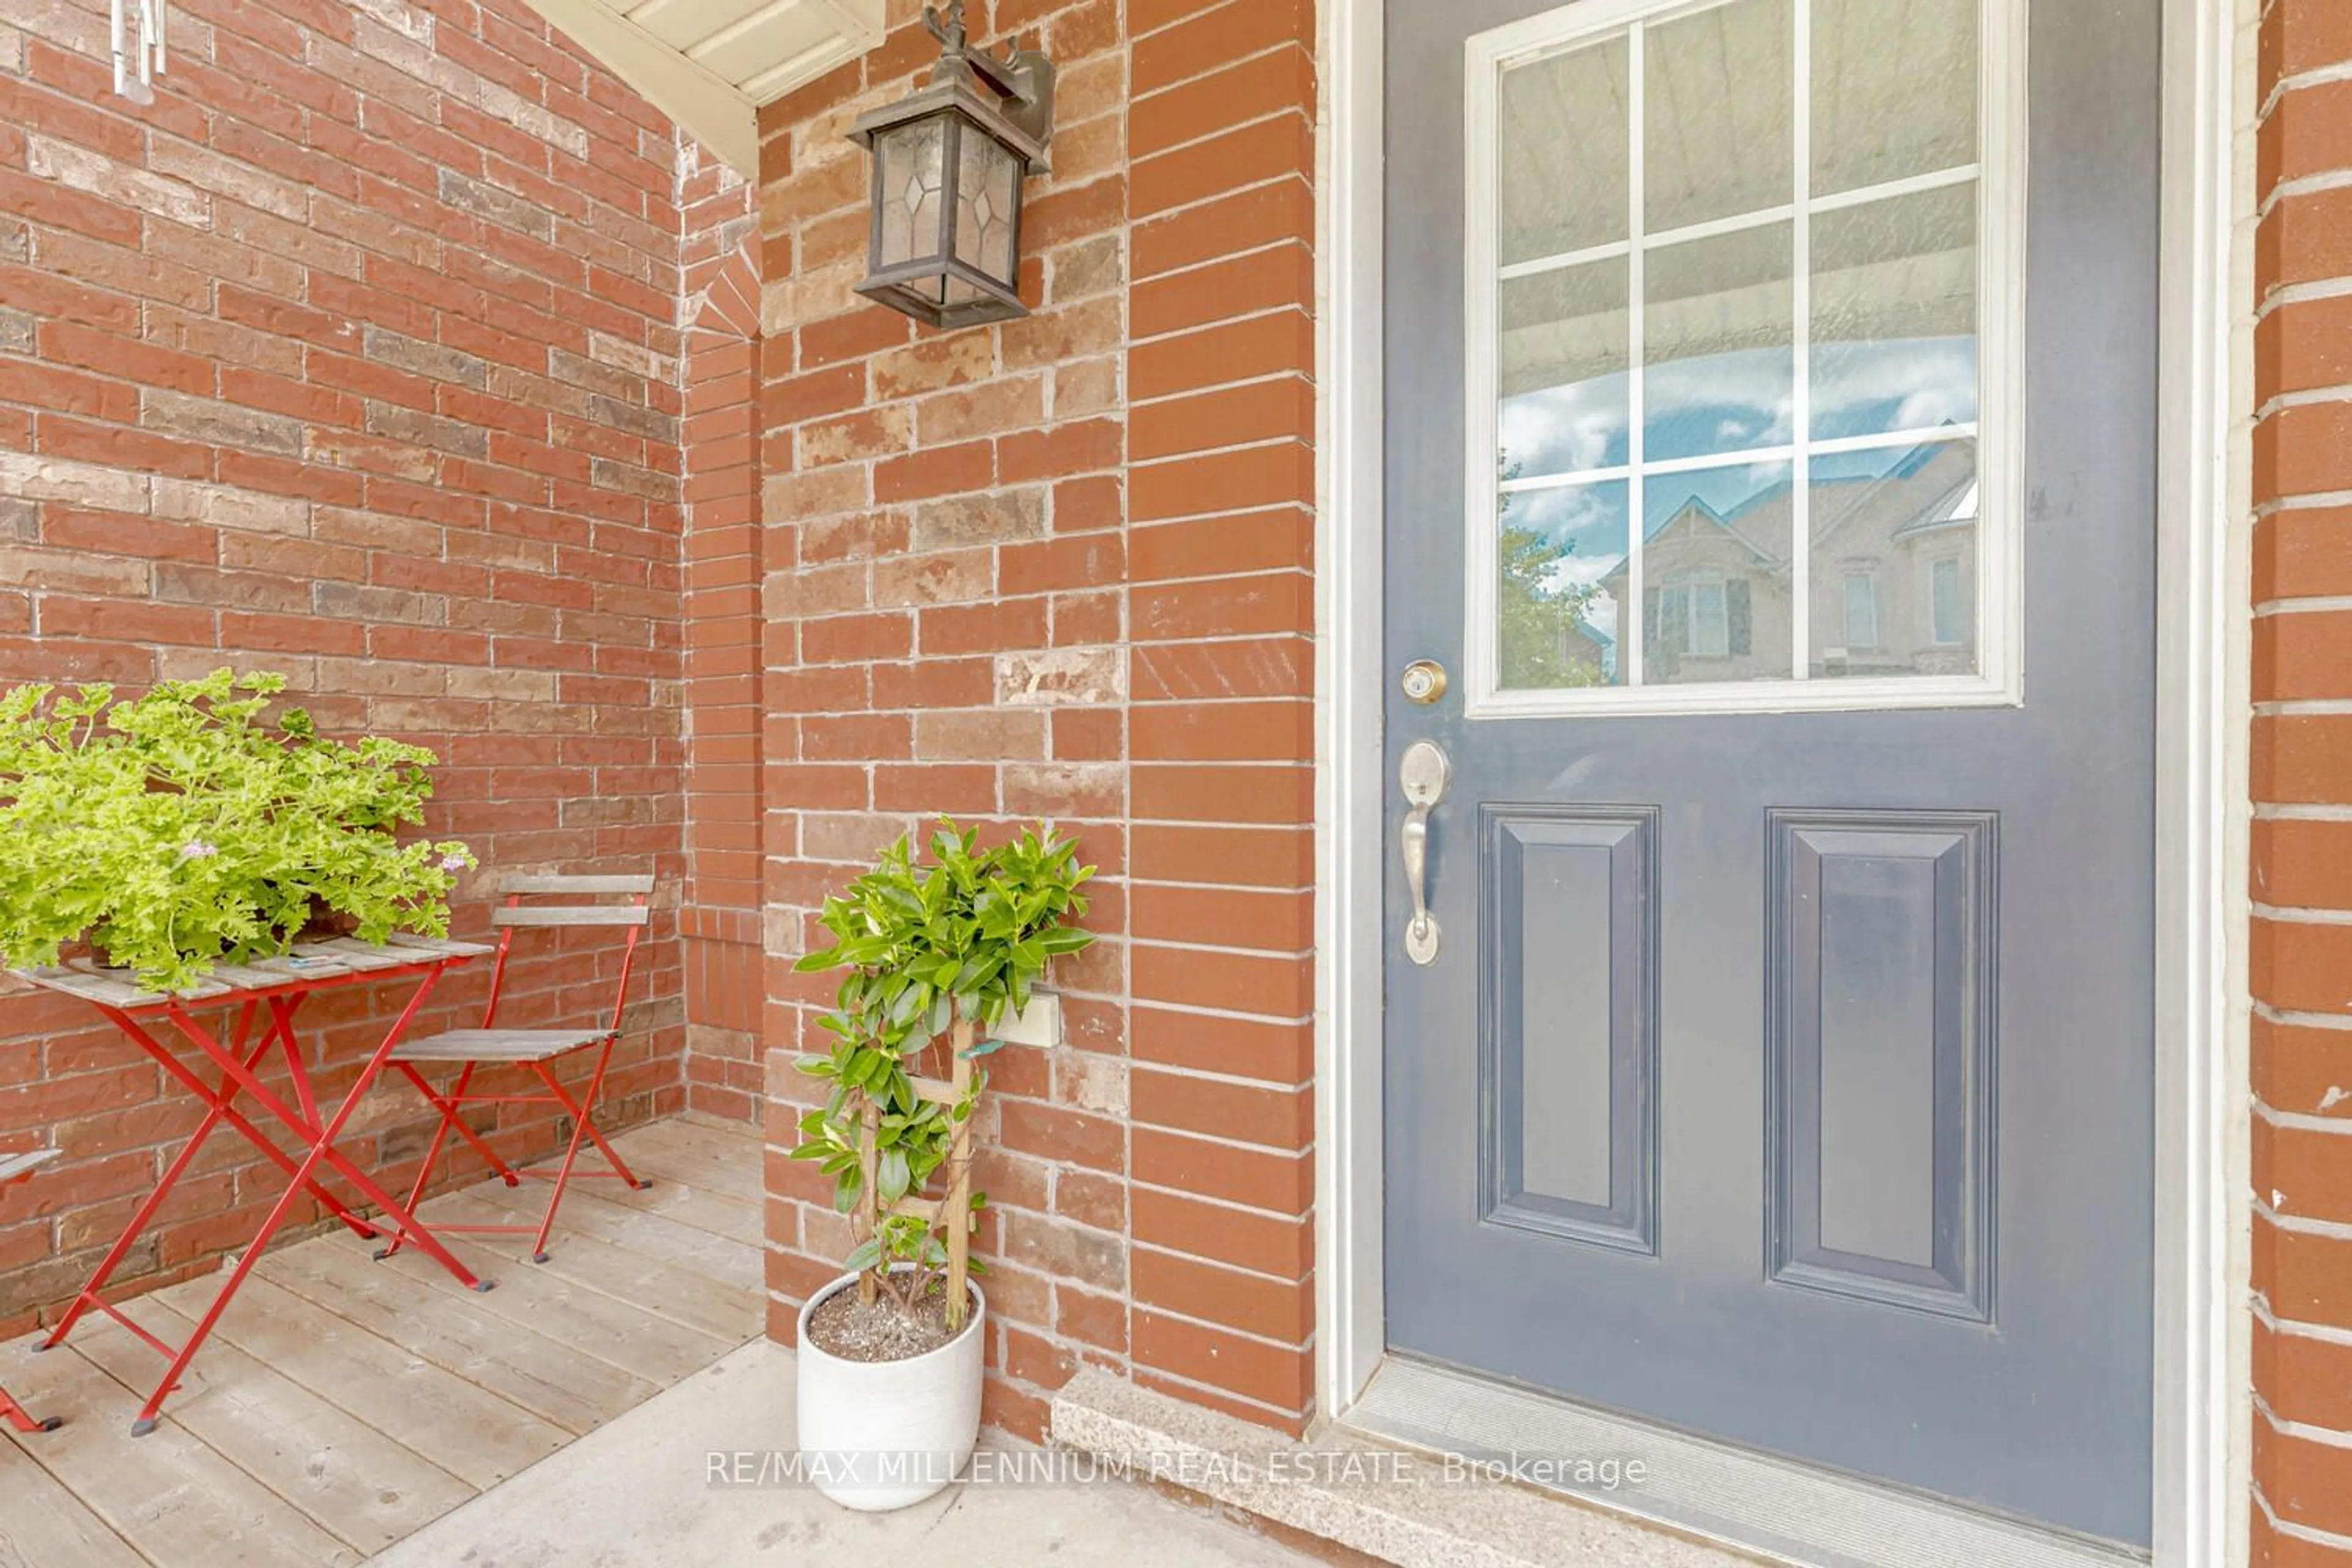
{"x": 1425, "y": 773}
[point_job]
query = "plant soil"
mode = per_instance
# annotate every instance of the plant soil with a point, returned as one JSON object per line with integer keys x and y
{"x": 845, "y": 1327}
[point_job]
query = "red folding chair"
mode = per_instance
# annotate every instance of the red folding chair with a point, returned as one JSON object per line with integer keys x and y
{"x": 539, "y": 1050}
{"x": 16, "y": 1168}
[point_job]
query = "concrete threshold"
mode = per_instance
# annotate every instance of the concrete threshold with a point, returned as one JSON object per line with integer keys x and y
{"x": 1384, "y": 1500}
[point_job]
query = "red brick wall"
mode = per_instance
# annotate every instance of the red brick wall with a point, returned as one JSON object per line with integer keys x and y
{"x": 1060, "y": 568}
{"x": 2300, "y": 943}
{"x": 355, "y": 356}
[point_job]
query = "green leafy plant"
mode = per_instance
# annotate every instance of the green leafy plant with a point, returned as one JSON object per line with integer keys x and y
{"x": 1540, "y": 617}
{"x": 933, "y": 950}
{"x": 181, "y": 829}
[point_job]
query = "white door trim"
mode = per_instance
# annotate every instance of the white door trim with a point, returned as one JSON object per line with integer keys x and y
{"x": 2203, "y": 1370}
{"x": 1350, "y": 684}
{"x": 2202, "y": 1432}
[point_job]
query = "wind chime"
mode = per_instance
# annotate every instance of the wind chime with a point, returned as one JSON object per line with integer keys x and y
{"x": 146, "y": 48}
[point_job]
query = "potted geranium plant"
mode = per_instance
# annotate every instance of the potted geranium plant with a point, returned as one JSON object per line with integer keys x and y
{"x": 182, "y": 829}
{"x": 891, "y": 1352}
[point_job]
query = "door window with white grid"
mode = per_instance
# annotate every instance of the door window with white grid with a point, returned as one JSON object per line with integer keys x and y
{"x": 1740, "y": 270}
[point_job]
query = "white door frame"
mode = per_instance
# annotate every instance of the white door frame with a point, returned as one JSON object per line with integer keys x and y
{"x": 2202, "y": 1410}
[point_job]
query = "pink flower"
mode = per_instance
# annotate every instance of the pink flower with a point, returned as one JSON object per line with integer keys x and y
{"x": 197, "y": 850}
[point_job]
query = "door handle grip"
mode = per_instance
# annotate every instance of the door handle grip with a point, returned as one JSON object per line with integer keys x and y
{"x": 1426, "y": 772}
{"x": 1420, "y": 936}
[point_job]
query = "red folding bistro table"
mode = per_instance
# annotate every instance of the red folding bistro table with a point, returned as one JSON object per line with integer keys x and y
{"x": 264, "y": 997}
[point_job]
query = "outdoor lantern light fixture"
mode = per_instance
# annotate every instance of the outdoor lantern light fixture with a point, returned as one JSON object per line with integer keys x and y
{"x": 949, "y": 161}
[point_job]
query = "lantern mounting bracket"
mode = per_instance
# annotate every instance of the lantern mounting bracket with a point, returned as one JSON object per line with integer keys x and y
{"x": 1022, "y": 78}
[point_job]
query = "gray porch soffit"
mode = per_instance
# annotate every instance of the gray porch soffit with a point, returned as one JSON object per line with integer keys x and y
{"x": 711, "y": 64}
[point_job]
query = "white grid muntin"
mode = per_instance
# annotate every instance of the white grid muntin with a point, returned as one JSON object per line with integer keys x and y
{"x": 1800, "y": 357}
{"x": 1637, "y": 289}
{"x": 2001, "y": 179}
{"x": 1764, "y": 217}
{"x": 1828, "y": 446}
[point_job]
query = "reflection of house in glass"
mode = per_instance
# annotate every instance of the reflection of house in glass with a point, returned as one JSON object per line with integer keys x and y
{"x": 1893, "y": 571}
{"x": 1589, "y": 654}
{"x": 1595, "y": 649}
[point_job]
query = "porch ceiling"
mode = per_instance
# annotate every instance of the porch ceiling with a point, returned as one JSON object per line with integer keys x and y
{"x": 711, "y": 64}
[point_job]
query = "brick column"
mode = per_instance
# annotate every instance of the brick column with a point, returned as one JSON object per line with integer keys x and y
{"x": 719, "y": 921}
{"x": 2301, "y": 944}
{"x": 1220, "y": 673}
{"x": 947, "y": 604}
{"x": 1060, "y": 568}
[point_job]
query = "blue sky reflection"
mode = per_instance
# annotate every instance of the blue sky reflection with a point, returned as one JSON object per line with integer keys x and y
{"x": 1721, "y": 403}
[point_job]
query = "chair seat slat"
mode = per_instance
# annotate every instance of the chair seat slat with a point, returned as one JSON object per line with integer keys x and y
{"x": 495, "y": 1045}
{"x": 537, "y": 882}
{"x": 15, "y": 1166}
{"x": 572, "y": 915}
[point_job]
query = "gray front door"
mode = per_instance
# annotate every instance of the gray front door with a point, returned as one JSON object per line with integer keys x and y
{"x": 1769, "y": 468}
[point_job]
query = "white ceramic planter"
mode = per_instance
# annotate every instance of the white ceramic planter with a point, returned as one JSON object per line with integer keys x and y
{"x": 876, "y": 1435}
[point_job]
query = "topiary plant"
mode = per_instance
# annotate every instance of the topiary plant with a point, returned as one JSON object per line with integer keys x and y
{"x": 178, "y": 830}
{"x": 931, "y": 951}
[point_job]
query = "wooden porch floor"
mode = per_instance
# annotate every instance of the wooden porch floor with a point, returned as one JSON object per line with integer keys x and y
{"x": 388, "y": 1395}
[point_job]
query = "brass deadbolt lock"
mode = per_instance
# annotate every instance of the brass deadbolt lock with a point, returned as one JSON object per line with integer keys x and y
{"x": 1424, "y": 681}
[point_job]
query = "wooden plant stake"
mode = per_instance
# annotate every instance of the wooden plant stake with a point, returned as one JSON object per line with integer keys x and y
{"x": 958, "y": 1198}
{"x": 870, "y": 1199}
{"x": 952, "y": 1207}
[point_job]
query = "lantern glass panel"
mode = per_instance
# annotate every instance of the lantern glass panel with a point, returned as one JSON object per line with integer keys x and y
{"x": 988, "y": 186}
{"x": 912, "y": 161}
